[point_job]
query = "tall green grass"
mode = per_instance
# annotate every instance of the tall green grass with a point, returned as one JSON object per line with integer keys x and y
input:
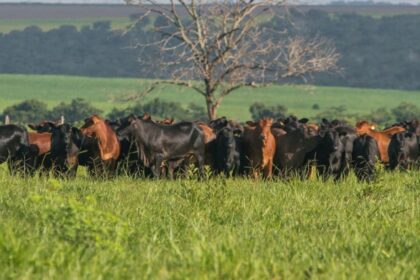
{"x": 107, "y": 93}
{"x": 217, "y": 229}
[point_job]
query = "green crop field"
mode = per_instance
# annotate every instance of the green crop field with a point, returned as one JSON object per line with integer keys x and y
{"x": 107, "y": 93}
{"x": 216, "y": 229}
{"x": 7, "y": 25}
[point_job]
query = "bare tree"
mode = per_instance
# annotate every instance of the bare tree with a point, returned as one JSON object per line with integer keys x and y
{"x": 217, "y": 47}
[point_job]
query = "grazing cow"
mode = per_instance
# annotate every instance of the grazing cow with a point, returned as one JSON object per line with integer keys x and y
{"x": 294, "y": 140}
{"x": 14, "y": 146}
{"x": 404, "y": 150}
{"x": 383, "y": 138}
{"x": 228, "y": 151}
{"x": 159, "y": 143}
{"x": 365, "y": 155}
{"x": 107, "y": 151}
{"x": 259, "y": 147}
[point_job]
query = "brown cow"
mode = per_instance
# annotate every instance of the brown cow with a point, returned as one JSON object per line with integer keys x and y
{"x": 383, "y": 138}
{"x": 259, "y": 147}
{"x": 41, "y": 140}
{"x": 108, "y": 144}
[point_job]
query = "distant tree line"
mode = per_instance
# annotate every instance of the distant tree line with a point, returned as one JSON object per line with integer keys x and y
{"x": 35, "y": 111}
{"x": 376, "y": 52}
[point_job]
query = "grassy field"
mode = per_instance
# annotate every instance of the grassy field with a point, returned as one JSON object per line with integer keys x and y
{"x": 17, "y": 17}
{"x": 106, "y": 93}
{"x": 217, "y": 229}
{"x": 7, "y": 25}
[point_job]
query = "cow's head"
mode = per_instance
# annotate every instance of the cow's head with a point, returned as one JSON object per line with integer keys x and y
{"x": 91, "y": 125}
{"x": 330, "y": 139}
{"x": 124, "y": 130}
{"x": 364, "y": 127}
{"x": 219, "y": 124}
{"x": 263, "y": 128}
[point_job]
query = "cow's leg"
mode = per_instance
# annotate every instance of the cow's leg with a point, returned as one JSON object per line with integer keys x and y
{"x": 200, "y": 163}
{"x": 268, "y": 169}
{"x": 158, "y": 166}
{"x": 171, "y": 168}
{"x": 236, "y": 167}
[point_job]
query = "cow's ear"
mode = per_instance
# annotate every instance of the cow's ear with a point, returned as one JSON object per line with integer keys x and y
{"x": 280, "y": 123}
{"x": 325, "y": 121}
{"x": 304, "y": 120}
{"x": 146, "y": 117}
{"x": 251, "y": 123}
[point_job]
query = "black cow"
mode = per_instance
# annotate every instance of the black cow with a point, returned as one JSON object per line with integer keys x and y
{"x": 160, "y": 143}
{"x": 65, "y": 146}
{"x": 294, "y": 140}
{"x": 365, "y": 155}
{"x": 228, "y": 151}
{"x": 404, "y": 150}
{"x": 333, "y": 154}
{"x": 128, "y": 162}
{"x": 14, "y": 147}
{"x": 66, "y": 142}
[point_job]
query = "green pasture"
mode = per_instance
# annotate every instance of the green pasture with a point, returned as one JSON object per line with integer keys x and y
{"x": 107, "y": 93}
{"x": 7, "y": 25}
{"x": 216, "y": 229}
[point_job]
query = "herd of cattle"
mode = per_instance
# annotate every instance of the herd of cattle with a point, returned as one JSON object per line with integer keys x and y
{"x": 139, "y": 146}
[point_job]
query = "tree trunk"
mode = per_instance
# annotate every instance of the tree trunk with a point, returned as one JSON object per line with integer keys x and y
{"x": 211, "y": 109}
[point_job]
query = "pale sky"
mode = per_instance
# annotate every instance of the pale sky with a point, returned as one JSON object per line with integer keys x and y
{"x": 121, "y": 1}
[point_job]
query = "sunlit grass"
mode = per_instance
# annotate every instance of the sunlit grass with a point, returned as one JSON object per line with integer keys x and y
{"x": 234, "y": 228}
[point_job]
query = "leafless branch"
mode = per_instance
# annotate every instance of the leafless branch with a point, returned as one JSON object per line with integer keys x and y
{"x": 223, "y": 46}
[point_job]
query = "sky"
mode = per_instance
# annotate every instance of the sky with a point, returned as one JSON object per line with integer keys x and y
{"x": 121, "y": 1}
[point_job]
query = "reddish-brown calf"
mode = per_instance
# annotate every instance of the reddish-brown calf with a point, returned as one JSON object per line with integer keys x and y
{"x": 260, "y": 147}
{"x": 383, "y": 138}
{"x": 108, "y": 143}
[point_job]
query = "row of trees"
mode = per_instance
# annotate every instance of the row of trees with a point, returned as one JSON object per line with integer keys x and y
{"x": 375, "y": 52}
{"x": 34, "y": 111}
